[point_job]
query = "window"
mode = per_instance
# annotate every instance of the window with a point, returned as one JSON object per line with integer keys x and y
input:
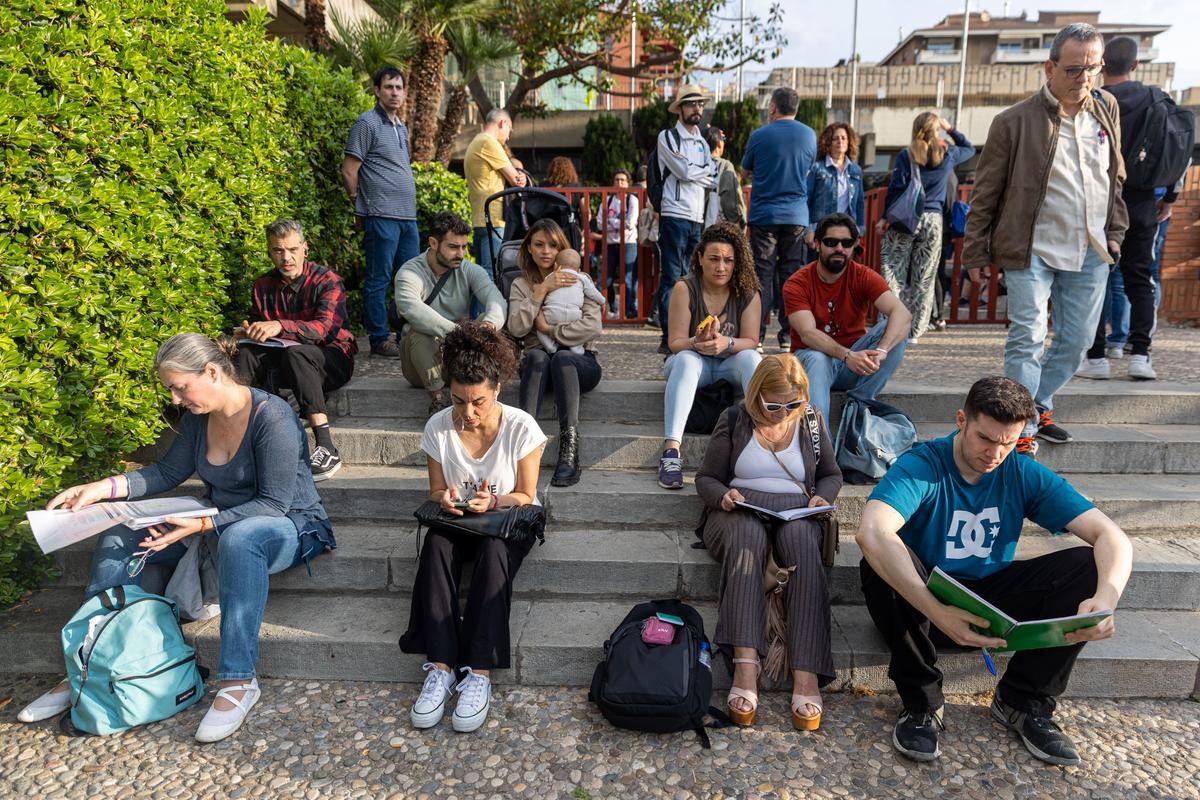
{"x": 1010, "y": 46}
{"x": 941, "y": 46}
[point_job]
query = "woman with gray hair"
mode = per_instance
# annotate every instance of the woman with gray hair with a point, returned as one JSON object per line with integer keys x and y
{"x": 249, "y": 450}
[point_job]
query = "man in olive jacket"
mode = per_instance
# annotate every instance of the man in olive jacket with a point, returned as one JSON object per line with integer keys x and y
{"x": 1047, "y": 209}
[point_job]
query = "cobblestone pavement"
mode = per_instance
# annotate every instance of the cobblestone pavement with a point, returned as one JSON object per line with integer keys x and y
{"x": 313, "y": 740}
{"x": 959, "y": 355}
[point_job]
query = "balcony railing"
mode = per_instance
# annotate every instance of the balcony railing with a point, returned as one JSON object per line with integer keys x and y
{"x": 939, "y": 56}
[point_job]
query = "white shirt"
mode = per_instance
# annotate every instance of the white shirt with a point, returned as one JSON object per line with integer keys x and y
{"x": 758, "y": 469}
{"x": 1075, "y": 207}
{"x": 519, "y": 435}
{"x": 613, "y": 219}
{"x": 843, "y": 183}
{"x": 688, "y": 174}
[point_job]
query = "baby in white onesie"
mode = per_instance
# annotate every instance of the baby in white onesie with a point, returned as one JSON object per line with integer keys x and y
{"x": 565, "y": 304}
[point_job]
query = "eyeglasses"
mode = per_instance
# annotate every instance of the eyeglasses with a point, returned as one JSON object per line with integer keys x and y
{"x": 1091, "y": 70}
{"x": 696, "y": 103}
{"x": 831, "y": 242}
{"x": 774, "y": 407}
{"x": 137, "y": 563}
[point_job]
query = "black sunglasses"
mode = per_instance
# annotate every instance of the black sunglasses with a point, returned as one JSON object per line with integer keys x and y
{"x": 830, "y": 241}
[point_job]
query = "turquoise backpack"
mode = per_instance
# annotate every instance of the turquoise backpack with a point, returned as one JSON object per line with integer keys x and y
{"x": 138, "y": 669}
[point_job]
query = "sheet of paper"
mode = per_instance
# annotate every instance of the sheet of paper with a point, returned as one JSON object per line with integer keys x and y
{"x": 59, "y": 528}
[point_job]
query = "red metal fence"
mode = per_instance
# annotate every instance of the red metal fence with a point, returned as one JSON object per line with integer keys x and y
{"x": 591, "y": 204}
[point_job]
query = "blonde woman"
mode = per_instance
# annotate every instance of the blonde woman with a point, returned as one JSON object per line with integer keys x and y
{"x": 909, "y": 259}
{"x": 761, "y": 452}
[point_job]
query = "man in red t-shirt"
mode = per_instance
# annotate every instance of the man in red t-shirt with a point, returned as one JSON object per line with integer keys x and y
{"x": 827, "y": 304}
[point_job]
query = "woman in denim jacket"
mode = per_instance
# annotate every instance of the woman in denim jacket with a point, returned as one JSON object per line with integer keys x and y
{"x": 835, "y": 182}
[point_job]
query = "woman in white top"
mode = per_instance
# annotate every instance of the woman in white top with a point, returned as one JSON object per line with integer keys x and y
{"x": 762, "y": 452}
{"x": 485, "y": 454}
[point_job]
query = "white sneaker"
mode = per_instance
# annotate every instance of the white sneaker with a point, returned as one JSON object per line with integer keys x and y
{"x": 474, "y": 700}
{"x": 435, "y": 693}
{"x": 217, "y": 725}
{"x": 51, "y": 704}
{"x": 1098, "y": 369}
{"x": 1115, "y": 353}
{"x": 1140, "y": 369}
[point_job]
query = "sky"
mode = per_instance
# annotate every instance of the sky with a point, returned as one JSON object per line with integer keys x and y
{"x": 821, "y": 42}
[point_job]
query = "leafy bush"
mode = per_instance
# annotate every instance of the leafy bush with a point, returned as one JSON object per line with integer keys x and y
{"x": 143, "y": 146}
{"x": 438, "y": 189}
{"x": 607, "y": 147}
{"x": 738, "y": 119}
{"x": 648, "y": 120}
{"x": 813, "y": 114}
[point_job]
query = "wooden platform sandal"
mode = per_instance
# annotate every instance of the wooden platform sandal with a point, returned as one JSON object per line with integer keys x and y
{"x": 804, "y": 722}
{"x": 744, "y": 718}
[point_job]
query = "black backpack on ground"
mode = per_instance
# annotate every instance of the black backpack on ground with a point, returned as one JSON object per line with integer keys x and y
{"x": 655, "y": 175}
{"x": 710, "y": 403}
{"x": 1161, "y": 147}
{"x": 658, "y": 688}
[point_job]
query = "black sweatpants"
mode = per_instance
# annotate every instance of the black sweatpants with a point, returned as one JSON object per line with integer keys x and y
{"x": 481, "y": 639}
{"x": 309, "y": 371}
{"x": 570, "y": 374}
{"x": 1049, "y": 586}
{"x": 778, "y": 252}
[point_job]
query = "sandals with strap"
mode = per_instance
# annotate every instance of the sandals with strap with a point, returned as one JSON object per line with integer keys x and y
{"x": 217, "y": 725}
{"x": 806, "y": 722}
{"x": 739, "y": 717}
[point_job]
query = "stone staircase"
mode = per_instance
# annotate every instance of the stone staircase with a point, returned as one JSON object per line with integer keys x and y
{"x": 616, "y": 538}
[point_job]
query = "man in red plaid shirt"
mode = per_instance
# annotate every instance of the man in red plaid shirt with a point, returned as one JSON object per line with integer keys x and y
{"x": 296, "y": 337}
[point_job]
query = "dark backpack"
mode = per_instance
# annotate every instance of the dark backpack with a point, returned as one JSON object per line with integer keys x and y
{"x": 1161, "y": 147}
{"x": 710, "y": 402}
{"x": 660, "y": 688}
{"x": 655, "y": 176}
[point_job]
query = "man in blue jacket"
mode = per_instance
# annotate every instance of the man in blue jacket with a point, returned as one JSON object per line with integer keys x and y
{"x": 777, "y": 159}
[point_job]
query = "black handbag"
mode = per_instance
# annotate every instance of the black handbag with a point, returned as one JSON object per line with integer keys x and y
{"x": 521, "y": 525}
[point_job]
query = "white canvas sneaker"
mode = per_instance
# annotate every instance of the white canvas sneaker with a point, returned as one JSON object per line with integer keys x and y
{"x": 435, "y": 694}
{"x": 1140, "y": 369}
{"x": 474, "y": 700}
{"x": 1098, "y": 369}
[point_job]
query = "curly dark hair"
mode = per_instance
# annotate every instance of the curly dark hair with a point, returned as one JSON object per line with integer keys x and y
{"x": 745, "y": 281}
{"x": 826, "y": 140}
{"x": 475, "y": 352}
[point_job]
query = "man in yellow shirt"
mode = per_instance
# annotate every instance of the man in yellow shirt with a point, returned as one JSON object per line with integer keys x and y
{"x": 487, "y": 168}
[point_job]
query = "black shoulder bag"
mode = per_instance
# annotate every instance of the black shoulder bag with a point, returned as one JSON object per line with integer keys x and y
{"x": 397, "y": 320}
{"x": 521, "y": 525}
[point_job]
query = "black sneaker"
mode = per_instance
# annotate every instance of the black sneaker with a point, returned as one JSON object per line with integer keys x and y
{"x": 324, "y": 463}
{"x": 387, "y": 349}
{"x": 1041, "y": 736}
{"x": 916, "y": 735}
{"x": 1049, "y": 431}
{"x": 652, "y": 322}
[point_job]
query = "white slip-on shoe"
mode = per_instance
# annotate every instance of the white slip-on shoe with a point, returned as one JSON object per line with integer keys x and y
{"x": 217, "y": 725}
{"x": 51, "y": 704}
{"x": 474, "y": 700}
{"x": 1140, "y": 369}
{"x": 435, "y": 693}
{"x": 1098, "y": 369}
{"x": 1114, "y": 352}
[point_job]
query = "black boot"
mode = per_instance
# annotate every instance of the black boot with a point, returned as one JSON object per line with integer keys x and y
{"x": 567, "y": 471}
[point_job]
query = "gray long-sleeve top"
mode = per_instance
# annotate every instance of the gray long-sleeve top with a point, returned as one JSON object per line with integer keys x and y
{"x": 415, "y": 280}
{"x": 268, "y": 476}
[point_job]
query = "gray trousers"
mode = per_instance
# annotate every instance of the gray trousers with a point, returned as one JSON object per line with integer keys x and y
{"x": 739, "y": 540}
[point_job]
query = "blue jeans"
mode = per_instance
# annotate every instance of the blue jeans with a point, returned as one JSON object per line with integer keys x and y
{"x": 1116, "y": 309}
{"x": 248, "y": 551}
{"x": 614, "y": 271}
{"x": 827, "y": 374}
{"x": 387, "y": 243}
{"x": 1159, "y": 238}
{"x": 1076, "y": 298}
{"x": 481, "y": 251}
{"x": 677, "y": 239}
{"x": 687, "y": 370}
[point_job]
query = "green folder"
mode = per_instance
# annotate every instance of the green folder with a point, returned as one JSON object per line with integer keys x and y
{"x": 1029, "y": 635}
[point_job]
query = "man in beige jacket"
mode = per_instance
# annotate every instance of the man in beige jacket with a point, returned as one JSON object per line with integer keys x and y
{"x": 1047, "y": 210}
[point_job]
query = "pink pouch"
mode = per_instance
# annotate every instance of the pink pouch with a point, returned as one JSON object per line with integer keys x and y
{"x": 655, "y": 631}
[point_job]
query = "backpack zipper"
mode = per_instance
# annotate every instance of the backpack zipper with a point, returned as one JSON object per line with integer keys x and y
{"x": 113, "y": 681}
{"x": 83, "y": 676}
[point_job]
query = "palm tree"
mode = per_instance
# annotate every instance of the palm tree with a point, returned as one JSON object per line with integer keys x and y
{"x": 315, "y": 34}
{"x": 367, "y": 45}
{"x": 428, "y": 20}
{"x": 474, "y": 49}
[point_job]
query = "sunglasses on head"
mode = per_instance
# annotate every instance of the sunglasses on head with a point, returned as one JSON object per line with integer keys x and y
{"x": 830, "y": 241}
{"x": 774, "y": 407}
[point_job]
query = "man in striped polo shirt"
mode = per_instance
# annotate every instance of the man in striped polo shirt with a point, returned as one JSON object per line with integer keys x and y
{"x": 378, "y": 178}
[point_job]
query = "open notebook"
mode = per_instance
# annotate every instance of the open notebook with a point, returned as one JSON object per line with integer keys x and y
{"x": 786, "y": 515}
{"x": 1029, "y": 635}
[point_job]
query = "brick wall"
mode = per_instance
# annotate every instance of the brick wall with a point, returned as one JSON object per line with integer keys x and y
{"x": 1180, "y": 264}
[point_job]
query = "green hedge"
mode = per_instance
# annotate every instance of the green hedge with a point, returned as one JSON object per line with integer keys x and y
{"x": 143, "y": 146}
{"x": 438, "y": 189}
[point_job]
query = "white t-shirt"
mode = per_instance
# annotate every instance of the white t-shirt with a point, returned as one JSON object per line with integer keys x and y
{"x": 519, "y": 435}
{"x": 757, "y": 469}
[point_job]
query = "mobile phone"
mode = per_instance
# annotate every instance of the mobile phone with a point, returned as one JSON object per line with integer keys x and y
{"x": 460, "y": 504}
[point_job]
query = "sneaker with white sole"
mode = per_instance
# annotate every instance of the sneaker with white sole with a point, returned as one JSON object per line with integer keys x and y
{"x": 435, "y": 694}
{"x": 324, "y": 463}
{"x": 474, "y": 700}
{"x": 670, "y": 469}
{"x": 51, "y": 704}
{"x": 1114, "y": 352}
{"x": 1098, "y": 369}
{"x": 1140, "y": 369}
{"x": 217, "y": 725}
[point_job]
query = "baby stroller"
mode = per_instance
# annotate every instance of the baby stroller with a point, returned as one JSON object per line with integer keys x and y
{"x": 523, "y": 207}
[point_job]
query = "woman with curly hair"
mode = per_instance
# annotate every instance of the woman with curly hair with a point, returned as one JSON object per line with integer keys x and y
{"x": 835, "y": 182}
{"x": 712, "y": 333}
{"x": 481, "y": 455}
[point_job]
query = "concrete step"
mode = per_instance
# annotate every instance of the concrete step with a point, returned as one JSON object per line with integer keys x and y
{"x": 597, "y": 564}
{"x": 558, "y": 642}
{"x": 1124, "y": 449}
{"x": 1081, "y": 401}
{"x": 1150, "y": 505}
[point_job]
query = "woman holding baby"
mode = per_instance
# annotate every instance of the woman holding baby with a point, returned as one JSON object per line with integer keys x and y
{"x": 556, "y": 335}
